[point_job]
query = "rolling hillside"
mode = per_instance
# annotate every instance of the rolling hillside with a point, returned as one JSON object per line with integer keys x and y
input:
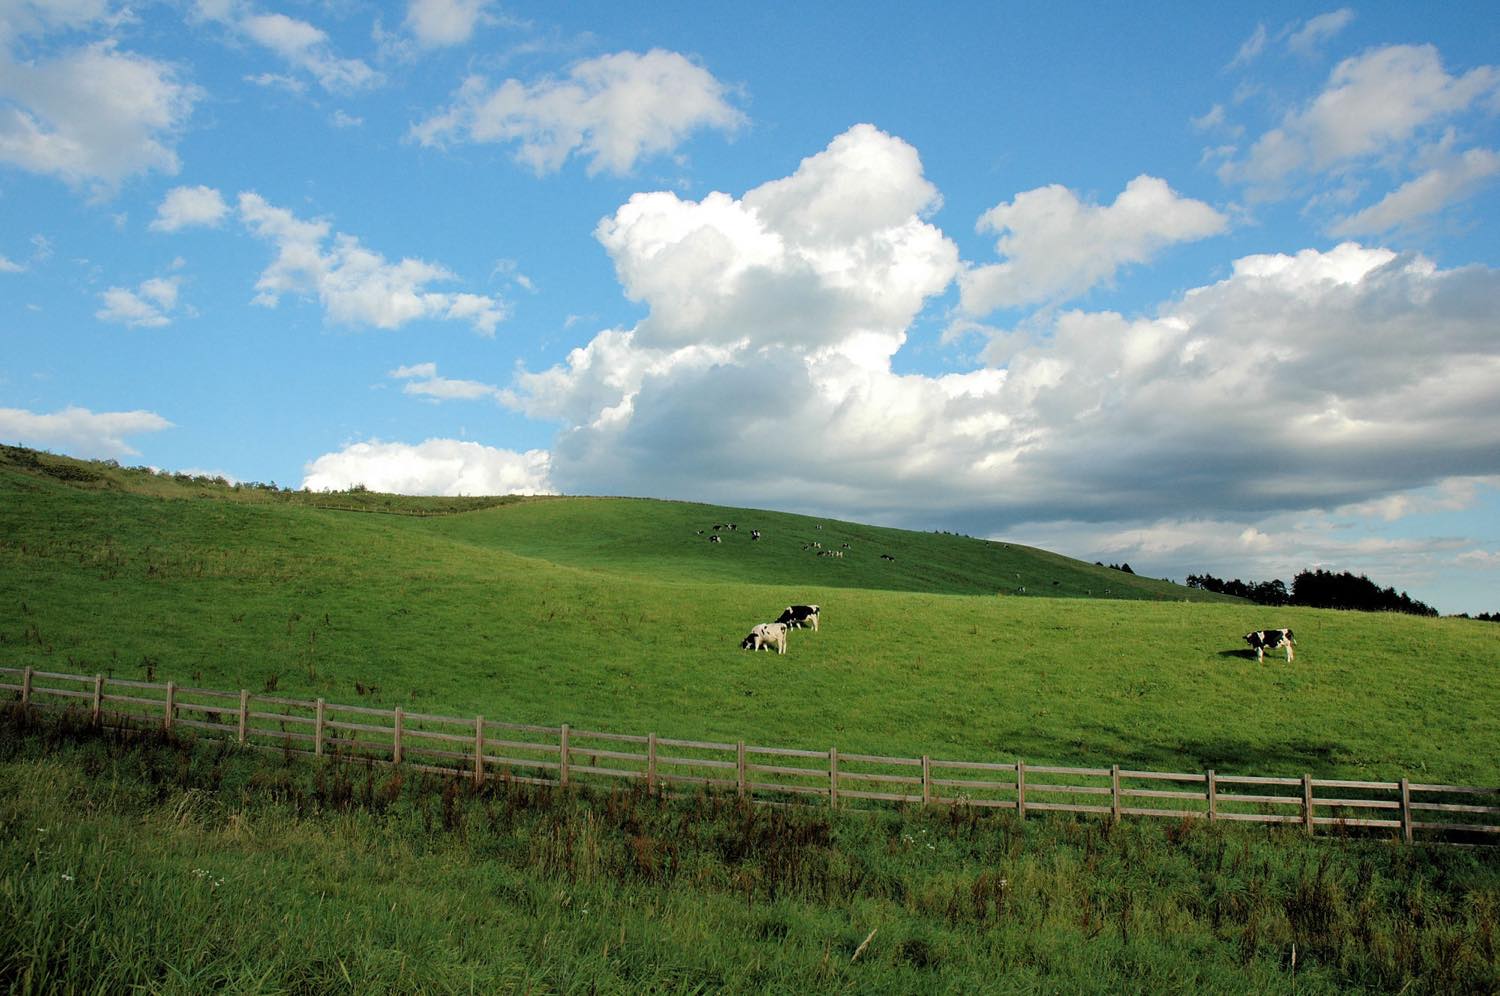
{"x": 617, "y": 614}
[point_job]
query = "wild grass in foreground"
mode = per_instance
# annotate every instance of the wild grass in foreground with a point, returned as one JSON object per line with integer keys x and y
{"x": 169, "y": 866}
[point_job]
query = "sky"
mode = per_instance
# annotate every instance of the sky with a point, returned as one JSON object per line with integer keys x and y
{"x": 1195, "y": 287}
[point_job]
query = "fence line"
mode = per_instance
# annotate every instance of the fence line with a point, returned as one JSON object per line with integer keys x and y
{"x": 484, "y": 749}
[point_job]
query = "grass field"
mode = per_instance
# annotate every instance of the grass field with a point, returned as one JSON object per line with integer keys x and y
{"x": 156, "y": 865}
{"x": 615, "y": 614}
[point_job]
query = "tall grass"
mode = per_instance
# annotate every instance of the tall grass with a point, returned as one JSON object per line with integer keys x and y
{"x": 157, "y": 863}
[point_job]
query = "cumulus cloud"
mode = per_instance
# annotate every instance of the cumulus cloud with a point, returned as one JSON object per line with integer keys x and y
{"x": 1298, "y": 382}
{"x": 92, "y": 116}
{"x": 148, "y": 306}
{"x": 78, "y": 431}
{"x": 612, "y": 110}
{"x": 184, "y": 207}
{"x": 434, "y": 467}
{"x": 1373, "y": 107}
{"x": 1056, "y": 246}
{"x": 355, "y": 285}
{"x": 1458, "y": 178}
{"x": 439, "y": 23}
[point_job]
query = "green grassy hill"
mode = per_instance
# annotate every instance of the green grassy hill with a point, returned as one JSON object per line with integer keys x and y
{"x": 616, "y": 614}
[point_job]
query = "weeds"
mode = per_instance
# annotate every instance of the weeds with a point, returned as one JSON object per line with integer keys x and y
{"x": 936, "y": 895}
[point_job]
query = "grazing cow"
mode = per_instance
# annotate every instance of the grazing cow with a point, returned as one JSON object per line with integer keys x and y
{"x": 886, "y": 556}
{"x": 715, "y": 538}
{"x": 766, "y": 636}
{"x": 755, "y": 534}
{"x": 799, "y": 617}
{"x": 1270, "y": 639}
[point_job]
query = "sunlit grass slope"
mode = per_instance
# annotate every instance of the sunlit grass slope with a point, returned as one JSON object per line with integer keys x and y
{"x": 615, "y": 614}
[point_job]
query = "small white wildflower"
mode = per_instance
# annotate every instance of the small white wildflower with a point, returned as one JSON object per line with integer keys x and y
{"x": 66, "y": 877}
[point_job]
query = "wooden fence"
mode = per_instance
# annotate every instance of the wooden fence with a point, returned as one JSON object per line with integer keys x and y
{"x": 482, "y": 748}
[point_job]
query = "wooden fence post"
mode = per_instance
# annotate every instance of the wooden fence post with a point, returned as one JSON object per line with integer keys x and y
{"x": 562, "y": 755}
{"x": 1213, "y": 796}
{"x": 739, "y": 768}
{"x": 478, "y": 751}
{"x": 1307, "y": 802}
{"x": 396, "y": 739}
{"x": 1020, "y": 788}
{"x": 98, "y": 712}
{"x": 244, "y": 713}
{"x": 1406, "y": 810}
{"x": 26, "y": 688}
{"x": 1114, "y": 793}
{"x": 650, "y": 763}
{"x": 318, "y": 729}
{"x": 926, "y": 780}
{"x": 833, "y": 777}
{"x": 171, "y": 706}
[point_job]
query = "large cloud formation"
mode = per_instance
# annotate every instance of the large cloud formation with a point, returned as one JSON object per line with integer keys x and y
{"x": 763, "y": 372}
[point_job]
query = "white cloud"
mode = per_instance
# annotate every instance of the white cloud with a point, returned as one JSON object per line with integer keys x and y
{"x": 78, "y": 431}
{"x": 1452, "y": 181}
{"x": 1250, "y": 49}
{"x": 355, "y": 285}
{"x": 438, "y": 23}
{"x": 613, "y": 110}
{"x": 21, "y": 18}
{"x": 1056, "y": 246}
{"x": 434, "y": 467}
{"x": 1373, "y": 105}
{"x": 1279, "y": 547}
{"x": 8, "y": 265}
{"x": 1306, "y": 39}
{"x": 302, "y": 45}
{"x": 92, "y": 116}
{"x": 148, "y": 306}
{"x": 184, "y": 207}
{"x": 1301, "y": 381}
{"x": 422, "y": 379}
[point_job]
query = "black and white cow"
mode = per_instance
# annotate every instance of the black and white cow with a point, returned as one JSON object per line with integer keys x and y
{"x": 766, "y": 636}
{"x": 1270, "y": 639}
{"x": 799, "y": 617}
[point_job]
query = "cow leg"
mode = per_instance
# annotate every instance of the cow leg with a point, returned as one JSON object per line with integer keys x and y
{"x": 1289, "y": 652}
{"x": 1260, "y": 655}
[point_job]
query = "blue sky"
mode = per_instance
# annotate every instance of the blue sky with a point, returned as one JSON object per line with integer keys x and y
{"x": 1196, "y": 289}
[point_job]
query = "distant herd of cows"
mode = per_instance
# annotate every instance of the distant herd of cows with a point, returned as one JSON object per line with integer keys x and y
{"x": 773, "y": 635}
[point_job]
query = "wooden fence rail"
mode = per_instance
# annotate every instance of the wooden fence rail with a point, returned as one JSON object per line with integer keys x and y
{"x": 482, "y": 749}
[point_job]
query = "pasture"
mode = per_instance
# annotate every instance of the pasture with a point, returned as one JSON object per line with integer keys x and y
{"x": 615, "y": 614}
{"x": 156, "y": 863}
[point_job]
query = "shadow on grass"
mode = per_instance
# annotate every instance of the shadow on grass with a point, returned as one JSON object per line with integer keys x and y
{"x": 1227, "y": 756}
